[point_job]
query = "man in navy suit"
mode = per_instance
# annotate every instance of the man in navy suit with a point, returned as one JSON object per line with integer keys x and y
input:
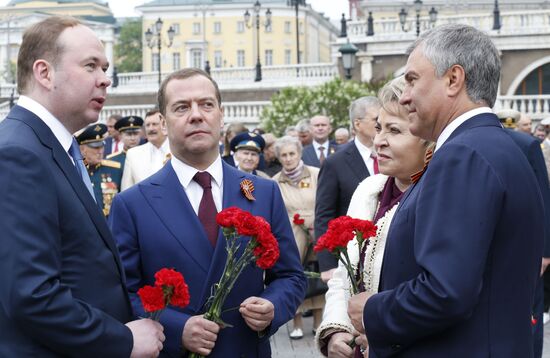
{"x": 63, "y": 287}
{"x": 113, "y": 143}
{"x": 320, "y": 149}
{"x": 343, "y": 171}
{"x": 156, "y": 224}
{"x": 463, "y": 253}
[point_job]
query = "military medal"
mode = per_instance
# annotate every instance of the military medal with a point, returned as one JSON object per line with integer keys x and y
{"x": 247, "y": 187}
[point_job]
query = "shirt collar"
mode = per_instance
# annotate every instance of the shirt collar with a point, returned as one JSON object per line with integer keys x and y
{"x": 363, "y": 149}
{"x": 64, "y": 137}
{"x": 451, "y": 127}
{"x": 325, "y": 144}
{"x": 185, "y": 172}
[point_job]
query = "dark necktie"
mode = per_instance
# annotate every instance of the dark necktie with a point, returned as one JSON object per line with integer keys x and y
{"x": 321, "y": 154}
{"x": 207, "y": 208}
{"x": 374, "y": 163}
{"x": 416, "y": 176}
{"x": 74, "y": 152}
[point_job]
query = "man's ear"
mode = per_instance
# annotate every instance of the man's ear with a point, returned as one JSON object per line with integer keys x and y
{"x": 456, "y": 80}
{"x": 43, "y": 73}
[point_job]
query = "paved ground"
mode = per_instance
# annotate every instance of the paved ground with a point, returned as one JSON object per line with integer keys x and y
{"x": 284, "y": 347}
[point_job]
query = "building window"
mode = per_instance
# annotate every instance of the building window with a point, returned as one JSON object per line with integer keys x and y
{"x": 155, "y": 62}
{"x": 240, "y": 58}
{"x": 196, "y": 58}
{"x": 240, "y": 26}
{"x": 269, "y": 57}
{"x": 301, "y": 28}
{"x": 176, "y": 28}
{"x": 196, "y": 28}
{"x": 536, "y": 82}
{"x": 217, "y": 59}
{"x": 176, "y": 61}
{"x": 288, "y": 57}
{"x": 217, "y": 27}
{"x": 287, "y": 27}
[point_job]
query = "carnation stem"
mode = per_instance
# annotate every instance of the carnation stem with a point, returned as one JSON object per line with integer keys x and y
{"x": 347, "y": 264}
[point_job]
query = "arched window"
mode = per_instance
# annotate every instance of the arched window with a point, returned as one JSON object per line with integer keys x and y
{"x": 536, "y": 82}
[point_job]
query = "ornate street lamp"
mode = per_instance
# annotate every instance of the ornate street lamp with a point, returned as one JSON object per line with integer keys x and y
{"x": 153, "y": 36}
{"x": 496, "y": 17}
{"x": 348, "y": 52}
{"x": 417, "y": 4}
{"x": 256, "y": 22}
{"x": 296, "y": 4}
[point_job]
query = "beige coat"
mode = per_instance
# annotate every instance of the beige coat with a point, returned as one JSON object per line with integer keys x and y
{"x": 301, "y": 199}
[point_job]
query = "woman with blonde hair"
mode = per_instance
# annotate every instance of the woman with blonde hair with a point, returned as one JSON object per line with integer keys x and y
{"x": 400, "y": 155}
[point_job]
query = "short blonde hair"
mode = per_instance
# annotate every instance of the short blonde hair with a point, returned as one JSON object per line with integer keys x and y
{"x": 389, "y": 96}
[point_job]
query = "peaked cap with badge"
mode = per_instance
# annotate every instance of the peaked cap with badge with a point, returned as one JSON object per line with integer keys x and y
{"x": 249, "y": 141}
{"x": 93, "y": 135}
{"x": 130, "y": 123}
{"x": 508, "y": 117}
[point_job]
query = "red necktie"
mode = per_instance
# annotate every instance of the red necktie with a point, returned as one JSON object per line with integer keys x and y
{"x": 375, "y": 163}
{"x": 207, "y": 208}
{"x": 116, "y": 145}
{"x": 321, "y": 154}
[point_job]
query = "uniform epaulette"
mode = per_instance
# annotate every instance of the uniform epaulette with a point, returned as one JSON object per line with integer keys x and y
{"x": 113, "y": 154}
{"x": 110, "y": 163}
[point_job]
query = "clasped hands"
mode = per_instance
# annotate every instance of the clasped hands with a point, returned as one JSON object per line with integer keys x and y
{"x": 200, "y": 335}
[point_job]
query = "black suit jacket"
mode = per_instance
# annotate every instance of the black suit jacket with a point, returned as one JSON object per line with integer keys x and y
{"x": 63, "y": 288}
{"x": 309, "y": 156}
{"x": 339, "y": 176}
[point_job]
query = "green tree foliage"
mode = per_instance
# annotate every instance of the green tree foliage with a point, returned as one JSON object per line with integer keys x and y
{"x": 128, "y": 50}
{"x": 333, "y": 98}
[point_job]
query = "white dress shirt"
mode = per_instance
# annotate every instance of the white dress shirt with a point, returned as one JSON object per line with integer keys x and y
{"x": 64, "y": 137}
{"x": 325, "y": 145}
{"x": 158, "y": 155}
{"x": 366, "y": 155}
{"x": 451, "y": 127}
{"x": 185, "y": 174}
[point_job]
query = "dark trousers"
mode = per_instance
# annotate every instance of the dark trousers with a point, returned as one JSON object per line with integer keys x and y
{"x": 538, "y": 310}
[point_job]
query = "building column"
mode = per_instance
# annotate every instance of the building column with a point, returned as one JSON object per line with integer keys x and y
{"x": 110, "y": 56}
{"x": 3, "y": 62}
{"x": 366, "y": 66}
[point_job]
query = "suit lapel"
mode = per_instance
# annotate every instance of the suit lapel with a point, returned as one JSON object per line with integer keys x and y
{"x": 64, "y": 163}
{"x": 168, "y": 199}
{"x": 355, "y": 162}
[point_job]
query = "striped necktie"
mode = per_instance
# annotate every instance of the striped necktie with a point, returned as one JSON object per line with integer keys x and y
{"x": 74, "y": 152}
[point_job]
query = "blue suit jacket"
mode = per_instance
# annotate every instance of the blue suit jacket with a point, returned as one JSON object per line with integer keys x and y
{"x": 463, "y": 254}
{"x": 62, "y": 290}
{"x": 339, "y": 176}
{"x": 155, "y": 226}
{"x": 310, "y": 157}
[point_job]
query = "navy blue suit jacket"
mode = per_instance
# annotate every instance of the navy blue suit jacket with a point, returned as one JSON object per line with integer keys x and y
{"x": 463, "y": 254}
{"x": 155, "y": 227}
{"x": 310, "y": 157}
{"x": 339, "y": 176}
{"x": 62, "y": 288}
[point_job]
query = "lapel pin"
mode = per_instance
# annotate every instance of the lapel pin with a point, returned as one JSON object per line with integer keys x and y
{"x": 247, "y": 188}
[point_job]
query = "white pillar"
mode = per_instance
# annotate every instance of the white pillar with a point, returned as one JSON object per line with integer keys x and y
{"x": 366, "y": 67}
{"x": 110, "y": 56}
{"x": 3, "y": 62}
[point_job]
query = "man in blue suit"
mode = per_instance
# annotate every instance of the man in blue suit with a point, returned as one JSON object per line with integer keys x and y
{"x": 464, "y": 249}
{"x": 156, "y": 224}
{"x": 321, "y": 148}
{"x": 63, "y": 287}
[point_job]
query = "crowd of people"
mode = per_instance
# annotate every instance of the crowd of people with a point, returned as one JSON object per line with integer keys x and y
{"x": 90, "y": 212}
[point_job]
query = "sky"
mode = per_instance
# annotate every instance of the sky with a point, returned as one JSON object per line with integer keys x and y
{"x": 332, "y": 8}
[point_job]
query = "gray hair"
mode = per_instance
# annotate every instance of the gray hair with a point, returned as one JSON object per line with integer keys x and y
{"x": 287, "y": 140}
{"x": 389, "y": 96}
{"x": 457, "y": 44}
{"x": 358, "y": 107}
{"x": 303, "y": 126}
{"x": 290, "y": 129}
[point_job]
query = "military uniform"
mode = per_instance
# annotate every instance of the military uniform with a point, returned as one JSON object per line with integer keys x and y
{"x": 131, "y": 123}
{"x": 105, "y": 176}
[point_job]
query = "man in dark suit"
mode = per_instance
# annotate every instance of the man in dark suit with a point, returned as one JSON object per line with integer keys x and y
{"x": 321, "y": 148}
{"x": 63, "y": 286}
{"x": 463, "y": 252}
{"x": 113, "y": 143}
{"x": 343, "y": 171}
{"x": 156, "y": 224}
{"x": 530, "y": 147}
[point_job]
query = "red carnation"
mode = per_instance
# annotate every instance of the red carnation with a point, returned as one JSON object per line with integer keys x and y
{"x": 297, "y": 220}
{"x": 228, "y": 217}
{"x": 152, "y": 298}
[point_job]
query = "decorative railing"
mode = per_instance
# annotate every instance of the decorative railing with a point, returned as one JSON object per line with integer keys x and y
{"x": 536, "y": 106}
{"x": 513, "y": 23}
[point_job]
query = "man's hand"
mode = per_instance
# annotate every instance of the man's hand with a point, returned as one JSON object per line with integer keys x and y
{"x": 355, "y": 310}
{"x": 545, "y": 262}
{"x": 148, "y": 337}
{"x": 327, "y": 275}
{"x": 338, "y": 345}
{"x": 361, "y": 341}
{"x": 199, "y": 335}
{"x": 257, "y": 313}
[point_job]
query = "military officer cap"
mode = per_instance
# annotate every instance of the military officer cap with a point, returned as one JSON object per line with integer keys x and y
{"x": 545, "y": 121}
{"x": 508, "y": 117}
{"x": 92, "y": 135}
{"x": 247, "y": 140}
{"x": 130, "y": 123}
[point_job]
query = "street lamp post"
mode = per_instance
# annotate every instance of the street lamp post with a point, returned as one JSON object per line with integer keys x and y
{"x": 154, "y": 37}
{"x": 417, "y": 8}
{"x": 296, "y": 4}
{"x": 256, "y": 22}
{"x": 496, "y": 17}
{"x": 348, "y": 52}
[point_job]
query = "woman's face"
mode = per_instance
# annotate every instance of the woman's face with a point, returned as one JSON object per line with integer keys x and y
{"x": 400, "y": 154}
{"x": 289, "y": 157}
